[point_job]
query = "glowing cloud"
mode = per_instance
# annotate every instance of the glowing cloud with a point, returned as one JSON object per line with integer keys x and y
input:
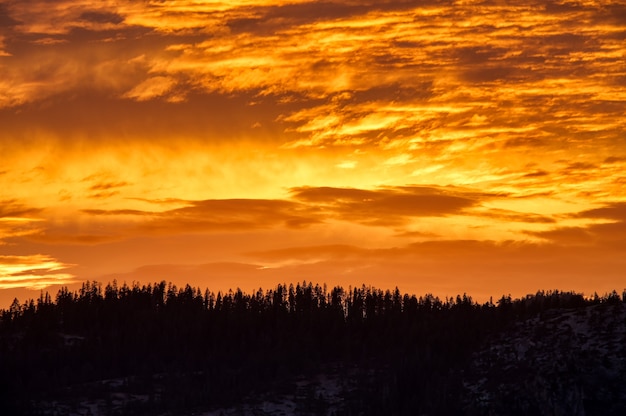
{"x": 34, "y": 272}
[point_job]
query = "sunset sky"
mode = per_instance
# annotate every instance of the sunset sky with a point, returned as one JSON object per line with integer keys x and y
{"x": 437, "y": 146}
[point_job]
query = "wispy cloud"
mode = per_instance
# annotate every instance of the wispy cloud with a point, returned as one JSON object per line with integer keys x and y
{"x": 17, "y": 219}
{"x": 32, "y": 271}
{"x": 12, "y": 208}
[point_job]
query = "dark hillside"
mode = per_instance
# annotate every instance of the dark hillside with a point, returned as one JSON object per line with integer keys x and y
{"x": 157, "y": 349}
{"x": 563, "y": 361}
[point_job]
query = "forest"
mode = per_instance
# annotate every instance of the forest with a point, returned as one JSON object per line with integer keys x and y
{"x": 184, "y": 350}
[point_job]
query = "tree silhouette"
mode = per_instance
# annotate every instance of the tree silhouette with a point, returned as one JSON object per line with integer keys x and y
{"x": 187, "y": 349}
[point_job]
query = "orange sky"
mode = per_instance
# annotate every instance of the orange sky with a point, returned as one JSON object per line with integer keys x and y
{"x": 437, "y": 146}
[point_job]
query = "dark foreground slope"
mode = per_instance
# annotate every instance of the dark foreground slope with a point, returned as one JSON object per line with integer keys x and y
{"x": 560, "y": 362}
{"x": 159, "y": 350}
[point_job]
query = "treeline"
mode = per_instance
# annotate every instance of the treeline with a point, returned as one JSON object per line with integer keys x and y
{"x": 188, "y": 349}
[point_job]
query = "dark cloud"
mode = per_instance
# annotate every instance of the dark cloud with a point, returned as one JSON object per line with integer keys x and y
{"x": 605, "y": 235}
{"x": 478, "y": 54}
{"x": 513, "y": 216}
{"x": 566, "y": 41}
{"x": 197, "y": 217}
{"x": 113, "y": 212}
{"x": 575, "y": 166}
{"x": 11, "y": 208}
{"x": 219, "y": 214}
{"x": 318, "y": 10}
{"x": 105, "y": 190}
{"x": 565, "y": 235}
{"x": 395, "y": 92}
{"x": 273, "y": 18}
{"x": 537, "y": 58}
{"x": 6, "y": 21}
{"x": 526, "y": 142}
{"x": 234, "y": 214}
{"x": 611, "y": 234}
{"x": 103, "y": 186}
{"x": 385, "y": 206}
{"x": 308, "y": 206}
{"x": 615, "y": 159}
{"x": 103, "y": 195}
{"x": 557, "y": 7}
{"x": 536, "y": 174}
{"x": 105, "y": 119}
{"x": 329, "y": 194}
{"x": 245, "y": 24}
{"x": 101, "y": 17}
{"x": 487, "y": 74}
{"x": 104, "y": 33}
{"x": 612, "y": 14}
{"x": 614, "y": 211}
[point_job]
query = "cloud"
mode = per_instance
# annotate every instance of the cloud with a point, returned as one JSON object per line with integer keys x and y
{"x": 12, "y": 208}
{"x": 613, "y": 211}
{"x": 42, "y": 17}
{"x": 608, "y": 228}
{"x": 18, "y": 227}
{"x": 566, "y": 235}
{"x": 579, "y": 166}
{"x": 32, "y": 271}
{"x": 536, "y": 174}
{"x": 5, "y": 19}
{"x": 384, "y": 206}
{"x": 513, "y": 216}
{"x": 151, "y": 88}
{"x": 90, "y": 119}
{"x": 264, "y": 20}
{"x": 362, "y": 74}
{"x": 390, "y": 208}
{"x": 17, "y": 219}
{"x": 612, "y": 233}
{"x": 233, "y": 214}
{"x": 106, "y": 189}
{"x": 615, "y": 159}
{"x": 216, "y": 215}
{"x": 101, "y": 17}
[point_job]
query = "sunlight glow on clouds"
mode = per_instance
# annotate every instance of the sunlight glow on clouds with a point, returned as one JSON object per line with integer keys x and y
{"x": 34, "y": 272}
{"x": 444, "y": 128}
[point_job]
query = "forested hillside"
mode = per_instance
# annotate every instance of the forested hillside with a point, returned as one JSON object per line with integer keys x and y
{"x": 157, "y": 350}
